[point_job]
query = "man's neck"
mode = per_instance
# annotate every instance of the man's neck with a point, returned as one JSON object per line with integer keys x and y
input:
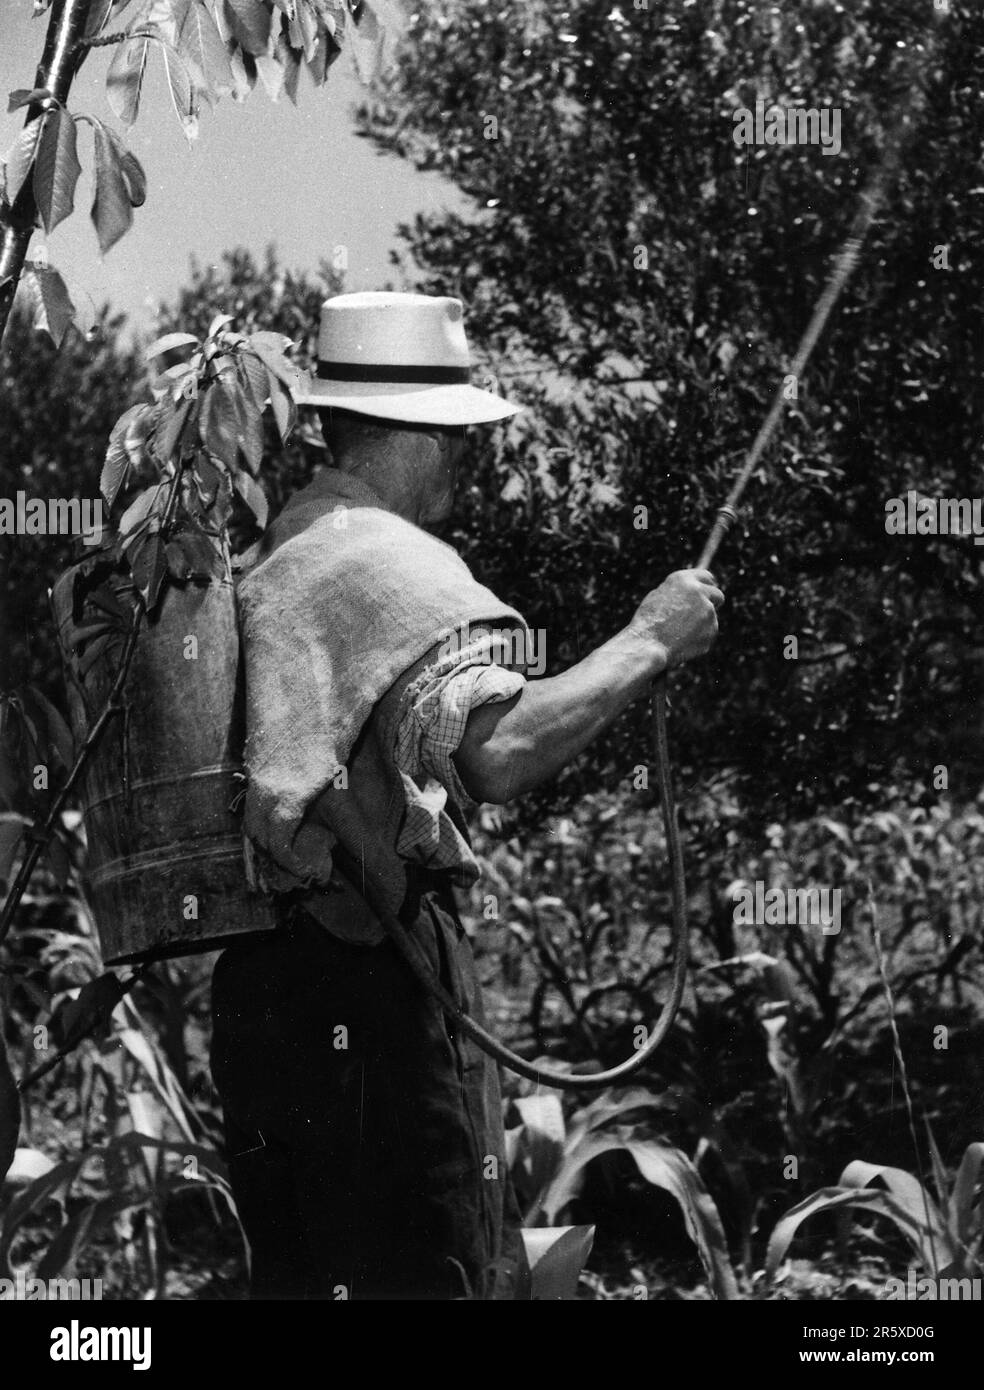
{"x": 388, "y": 477}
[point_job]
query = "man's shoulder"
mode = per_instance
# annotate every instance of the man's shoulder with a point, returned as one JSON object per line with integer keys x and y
{"x": 353, "y": 537}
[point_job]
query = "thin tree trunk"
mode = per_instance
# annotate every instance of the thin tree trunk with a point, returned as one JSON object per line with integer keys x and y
{"x": 60, "y": 61}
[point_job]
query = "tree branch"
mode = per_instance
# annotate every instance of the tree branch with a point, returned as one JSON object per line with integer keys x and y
{"x": 60, "y": 61}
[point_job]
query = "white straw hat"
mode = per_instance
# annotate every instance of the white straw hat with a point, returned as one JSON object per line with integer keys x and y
{"x": 399, "y": 357}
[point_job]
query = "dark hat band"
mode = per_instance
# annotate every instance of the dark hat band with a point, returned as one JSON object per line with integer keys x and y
{"x": 429, "y": 376}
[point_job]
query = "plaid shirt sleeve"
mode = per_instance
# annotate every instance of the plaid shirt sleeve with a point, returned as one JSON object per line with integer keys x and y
{"x": 431, "y": 723}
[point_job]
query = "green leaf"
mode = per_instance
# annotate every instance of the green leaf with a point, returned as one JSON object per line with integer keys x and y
{"x": 148, "y": 565}
{"x": 219, "y": 321}
{"x": 56, "y": 168}
{"x": 567, "y": 1183}
{"x": 56, "y": 856}
{"x": 191, "y": 555}
{"x": 98, "y": 16}
{"x": 250, "y": 22}
{"x": 540, "y": 1142}
{"x": 12, "y": 827}
{"x": 58, "y": 738}
{"x": 54, "y": 311}
{"x": 303, "y": 30}
{"x": 93, "y": 652}
{"x": 284, "y": 409}
{"x": 60, "y": 1260}
{"x": 271, "y": 74}
{"x": 200, "y": 44}
{"x": 184, "y": 93}
{"x": 218, "y": 424}
{"x": 673, "y": 1171}
{"x": 271, "y": 348}
{"x": 168, "y": 343}
{"x": 170, "y": 431}
{"x": 204, "y": 555}
{"x": 608, "y": 1107}
{"x": 208, "y": 1159}
{"x": 129, "y": 165}
{"x": 253, "y": 375}
{"x": 249, "y": 425}
{"x": 136, "y": 179}
{"x": 112, "y": 210}
{"x": 28, "y": 1166}
{"x": 10, "y": 1112}
{"x": 149, "y": 1056}
{"x": 107, "y": 602}
{"x": 291, "y": 63}
{"x": 254, "y": 497}
{"x": 209, "y": 478}
{"x": 326, "y": 52}
{"x": 141, "y": 509}
{"x": 556, "y": 1255}
{"x": 125, "y": 79}
{"x": 962, "y": 1205}
{"x": 364, "y": 39}
{"x": 837, "y": 1199}
{"x": 664, "y": 1167}
{"x": 19, "y": 158}
{"x": 86, "y": 632}
{"x": 53, "y": 1186}
{"x": 907, "y": 1190}
{"x": 25, "y": 96}
{"x": 939, "y": 1171}
{"x": 125, "y": 448}
{"x": 243, "y": 67}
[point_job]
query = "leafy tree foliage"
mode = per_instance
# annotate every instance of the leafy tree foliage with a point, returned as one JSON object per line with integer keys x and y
{"x": 264, "y": 296}
{"x": 208, "y": 49}
{"x": 56, "y": 412}
{"x": 642, "y": 281}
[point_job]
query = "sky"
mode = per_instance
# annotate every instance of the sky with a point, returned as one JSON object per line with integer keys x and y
{"x": 259, "y": 172}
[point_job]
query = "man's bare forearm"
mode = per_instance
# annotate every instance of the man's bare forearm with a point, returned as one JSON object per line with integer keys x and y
{"x": 511, "y": 747}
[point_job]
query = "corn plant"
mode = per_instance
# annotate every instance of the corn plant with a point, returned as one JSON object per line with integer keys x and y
{"x": 142, "y": 1143}
{"x": 946, "y": 1233}
{"x": 548, "y": 1158}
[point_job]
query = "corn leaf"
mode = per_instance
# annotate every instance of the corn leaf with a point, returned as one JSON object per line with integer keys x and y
{"x": 966, "y": 1225}
{"x": 837, "y": 1199}
{"x": 556, "y": 1256}
{"x": 53, "y": 1186}
{"x": 87, "y": 1014}
{"x": 27, "y": 1167}
{"x": 10, "y": 1111}
{"x": 12, "y": 827}
{"x": 906, "y": 1189}
{"x": 673, "y": 1171}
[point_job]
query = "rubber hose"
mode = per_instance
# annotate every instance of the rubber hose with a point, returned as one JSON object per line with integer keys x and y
{"x": 544, "y": 1076}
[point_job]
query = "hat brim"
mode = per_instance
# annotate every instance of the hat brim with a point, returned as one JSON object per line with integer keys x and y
{"x": 415, "y": 405}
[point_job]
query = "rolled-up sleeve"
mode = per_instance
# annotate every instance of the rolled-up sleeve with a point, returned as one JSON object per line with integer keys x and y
{"x": 431, "y": 723}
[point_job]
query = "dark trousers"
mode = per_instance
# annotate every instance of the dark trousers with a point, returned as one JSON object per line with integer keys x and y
{"x": 364, "y": 1136}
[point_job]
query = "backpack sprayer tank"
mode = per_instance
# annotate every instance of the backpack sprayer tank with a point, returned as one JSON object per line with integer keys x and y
{"x": 166, "y": 871}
